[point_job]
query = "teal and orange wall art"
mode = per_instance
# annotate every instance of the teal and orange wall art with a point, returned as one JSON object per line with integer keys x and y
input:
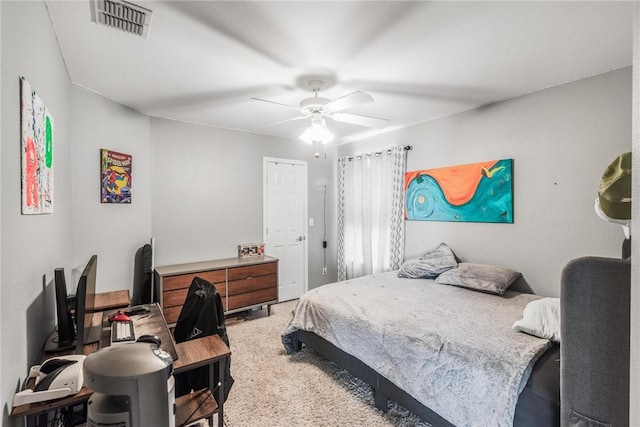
{"x": 474, "y": 192}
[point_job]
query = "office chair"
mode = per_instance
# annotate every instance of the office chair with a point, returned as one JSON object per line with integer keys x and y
{"x": 202, "y": 314}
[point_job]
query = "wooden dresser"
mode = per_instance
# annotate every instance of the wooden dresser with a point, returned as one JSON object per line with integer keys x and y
{"x": 243, "y": 283}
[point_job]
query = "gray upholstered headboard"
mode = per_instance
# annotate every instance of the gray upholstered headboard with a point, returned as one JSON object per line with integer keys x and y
{"x": 594, "y": 354}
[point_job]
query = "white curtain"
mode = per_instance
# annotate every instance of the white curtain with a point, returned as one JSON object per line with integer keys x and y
{"x": 370, "y": 213}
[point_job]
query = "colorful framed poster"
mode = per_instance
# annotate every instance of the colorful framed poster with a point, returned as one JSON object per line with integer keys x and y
{"x": 115, "y": 177}
{"x": 36, "y": 128}
{"x": 475, "y": 192}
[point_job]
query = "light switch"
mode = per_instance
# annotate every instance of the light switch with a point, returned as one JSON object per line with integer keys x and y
{"x": 310, "y": 222}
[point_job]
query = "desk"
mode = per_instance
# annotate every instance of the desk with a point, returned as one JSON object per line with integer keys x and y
{"x": 151, "y": 323}
{"x": 188, "y": 355}
{"x": 111, "y": 300}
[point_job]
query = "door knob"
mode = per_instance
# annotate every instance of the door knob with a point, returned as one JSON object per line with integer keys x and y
{"x": 300, "y": 239}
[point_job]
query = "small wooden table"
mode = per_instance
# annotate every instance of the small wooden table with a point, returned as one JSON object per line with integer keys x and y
{"x": 200, "y": 404}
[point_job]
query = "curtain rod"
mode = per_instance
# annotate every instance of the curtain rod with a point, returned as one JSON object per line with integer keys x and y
{"x": 378, "y": 153}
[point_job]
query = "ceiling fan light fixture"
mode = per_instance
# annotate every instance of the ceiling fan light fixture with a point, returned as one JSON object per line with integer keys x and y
{"x": 317, "y": 108}
{"x": 317, "y": 132}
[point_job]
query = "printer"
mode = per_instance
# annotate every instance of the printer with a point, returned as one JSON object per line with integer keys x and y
{"x": 56, "y": 377}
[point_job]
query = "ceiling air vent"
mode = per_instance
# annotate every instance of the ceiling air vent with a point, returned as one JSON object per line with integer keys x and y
{"x": 122, "y": 15}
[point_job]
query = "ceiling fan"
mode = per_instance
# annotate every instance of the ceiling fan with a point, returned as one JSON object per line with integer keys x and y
{"x": 318, "y": 108}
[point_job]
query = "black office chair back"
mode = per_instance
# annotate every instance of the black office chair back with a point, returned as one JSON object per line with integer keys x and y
{"x": 202, "y": 314}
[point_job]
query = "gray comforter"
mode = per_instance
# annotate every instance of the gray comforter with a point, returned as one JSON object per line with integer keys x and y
{"x": 452, "y": 349}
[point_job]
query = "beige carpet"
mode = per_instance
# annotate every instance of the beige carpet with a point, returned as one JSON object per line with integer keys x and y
{"x": 303, "y": 389}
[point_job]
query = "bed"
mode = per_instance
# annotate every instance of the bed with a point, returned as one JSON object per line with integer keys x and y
{"x": 588, "y": 373}
{"x": 447, "y": 353}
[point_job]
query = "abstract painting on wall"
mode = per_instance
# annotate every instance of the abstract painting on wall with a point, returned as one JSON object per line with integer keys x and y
{"x": 115, "y": 176}
{"x": 36, "y": 128}
{"x": 475, "y": 192}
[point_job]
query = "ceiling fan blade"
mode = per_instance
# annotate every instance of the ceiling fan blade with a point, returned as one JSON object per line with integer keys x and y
{"x": 350, "y": 100}
{"x": 356, "y": 119}
{"x": 277, "y": 103}
{"x": 280, "y": 122}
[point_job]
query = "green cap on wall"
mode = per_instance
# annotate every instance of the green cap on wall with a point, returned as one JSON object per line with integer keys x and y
{"x": 614, "y": 192}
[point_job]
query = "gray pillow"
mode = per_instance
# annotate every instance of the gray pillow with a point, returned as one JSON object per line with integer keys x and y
{"x": 429, "y": 265}
{"x": 492, "y": 279}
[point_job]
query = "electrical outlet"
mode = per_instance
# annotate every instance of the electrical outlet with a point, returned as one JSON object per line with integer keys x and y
{"x": 324, "y": 271}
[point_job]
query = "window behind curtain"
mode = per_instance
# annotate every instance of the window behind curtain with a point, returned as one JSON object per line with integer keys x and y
{"x": 370, "y": 213}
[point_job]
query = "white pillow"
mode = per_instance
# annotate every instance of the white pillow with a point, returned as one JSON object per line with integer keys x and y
{"x": 541, "y": 318}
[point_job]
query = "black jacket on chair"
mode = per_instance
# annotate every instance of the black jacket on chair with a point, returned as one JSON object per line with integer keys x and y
{"x": 202, "y": 314}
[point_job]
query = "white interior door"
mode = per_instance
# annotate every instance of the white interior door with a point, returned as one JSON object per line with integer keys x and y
{"x": 285, "y": 220}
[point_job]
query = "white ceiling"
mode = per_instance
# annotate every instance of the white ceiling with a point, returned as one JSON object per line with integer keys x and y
{"x": 203, "y": 61}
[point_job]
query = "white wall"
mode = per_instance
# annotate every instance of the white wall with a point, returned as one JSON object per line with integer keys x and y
{"x": 561, "y": 139}
{"x": 207, "y": 193}
{"x": 112, "y": 231}
{"x": 2, "y": 394}
{"x": 32, "y": 245}
{"x": 634, "y": 395}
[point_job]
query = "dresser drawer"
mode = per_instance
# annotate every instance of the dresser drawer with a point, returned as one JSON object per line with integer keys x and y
{"x": 252, "y": 284}
{"x": 170, "y": 283}
{"x": 171, "y": 314}
{"x": 176, "y": 288}
{"x": 248, "y": 299}
{"x": 178, "y": 297}
{"x": 173, "y": 298}
{"x": 253, "y": 271}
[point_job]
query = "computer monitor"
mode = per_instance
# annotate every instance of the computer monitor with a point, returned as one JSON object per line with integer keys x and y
{"x": 87, "y": 332}
{"x": 65, "y": 336}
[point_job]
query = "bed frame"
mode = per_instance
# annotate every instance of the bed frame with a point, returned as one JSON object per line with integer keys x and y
{"x": 542, "y": 390}
{"x": 383, "y": 389}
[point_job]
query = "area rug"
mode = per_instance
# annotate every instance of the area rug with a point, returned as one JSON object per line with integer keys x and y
{"x": 275, "y": 389}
